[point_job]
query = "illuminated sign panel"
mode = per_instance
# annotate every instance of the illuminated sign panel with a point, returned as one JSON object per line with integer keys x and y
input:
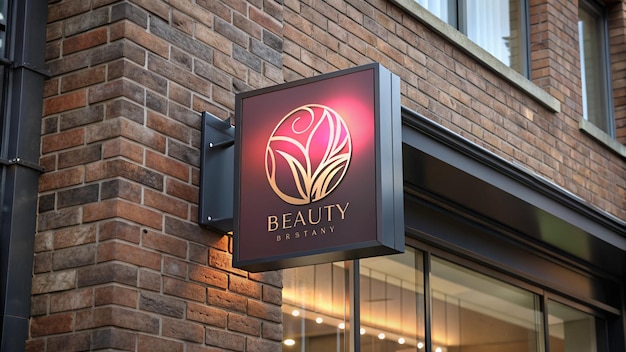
{"x": 318, "y": 172}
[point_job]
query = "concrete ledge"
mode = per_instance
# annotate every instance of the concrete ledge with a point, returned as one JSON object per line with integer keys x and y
{"x": 480, "y": 54}
{"x": 602, "y": 137}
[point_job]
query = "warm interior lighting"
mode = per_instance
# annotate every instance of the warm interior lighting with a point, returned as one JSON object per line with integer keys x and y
{"x": 381, "y": 336}
{"x": 438, "y": 349}
{"x": 319, "y": 320}
{"x": 402, "y": 341}
{"x": 295, "y": 313}
{"x": 289, "y": 342}
{"x": 362, "y": 331}
{"x": 420, "y": 345}
{"x": 341, "y": 326}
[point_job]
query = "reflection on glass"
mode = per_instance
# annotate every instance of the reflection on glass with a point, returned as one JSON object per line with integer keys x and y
{"x": 472, "y": 312}
{"x": 3, "y": 23}
{"x": 315, "y": 308}
{"x": 392, "y": 303}
{"x": 497, "y": 27}
{"x": 570, "y": 330}
{"x": 439, "y": 8}
{"x": 593, "y": 68}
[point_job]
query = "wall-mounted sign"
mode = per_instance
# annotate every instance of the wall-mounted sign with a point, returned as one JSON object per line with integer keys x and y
{"x": 318, "y": 171}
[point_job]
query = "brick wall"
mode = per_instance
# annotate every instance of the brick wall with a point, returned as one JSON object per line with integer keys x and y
{"x": 617, "y": 40}
{"x": 120, "y": 262}
{"x": 442, "y": 82}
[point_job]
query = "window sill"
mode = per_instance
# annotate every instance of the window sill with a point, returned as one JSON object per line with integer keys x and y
{"x": 464, "y": 43}
{"x": 602, "y": 137}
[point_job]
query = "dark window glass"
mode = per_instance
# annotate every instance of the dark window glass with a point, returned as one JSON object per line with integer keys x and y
{"x": 594, "y": 68}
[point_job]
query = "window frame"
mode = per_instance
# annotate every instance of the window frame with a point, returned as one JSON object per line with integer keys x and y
{"x": 457, "y": 19}
{"x": 600, "y": 13}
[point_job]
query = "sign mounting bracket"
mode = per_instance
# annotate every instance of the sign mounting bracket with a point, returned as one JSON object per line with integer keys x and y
{"x": 217, "y": 170}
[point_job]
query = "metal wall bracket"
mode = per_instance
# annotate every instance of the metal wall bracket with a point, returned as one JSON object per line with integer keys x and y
{"x": 217, "y": 171}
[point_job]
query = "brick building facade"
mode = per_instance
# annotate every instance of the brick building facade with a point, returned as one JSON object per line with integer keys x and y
{"x": 120, "y": 262}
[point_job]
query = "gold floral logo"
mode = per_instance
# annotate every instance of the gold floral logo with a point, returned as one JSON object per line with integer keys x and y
{"x": 308, "y": 154}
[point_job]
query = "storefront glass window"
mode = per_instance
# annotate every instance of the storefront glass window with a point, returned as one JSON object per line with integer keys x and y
{"x": 570, "y": 330}
{"x": 316, "y": 308}
{"x": 472, "y": 312}
{"x": 392, "y": 303}
{"x": 380, "y": 304}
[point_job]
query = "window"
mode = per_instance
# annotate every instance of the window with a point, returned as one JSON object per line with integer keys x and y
{"x": 392, "y": 303}
{"x": 570, "y": 330}
{"x": 473, "y": 312}
{"x": 417, "y": 301}
{"x": 3, "y": 26}
{"x": 316, "y": 308}
{"x": 499, "y": 27}
{"x": 593, "y": 43}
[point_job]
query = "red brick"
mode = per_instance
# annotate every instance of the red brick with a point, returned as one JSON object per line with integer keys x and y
{"x": 62, "y": 140}
{"x": 61, "y": 179}
{"x": 244, "y": 324}
{"x": 65, "y": 102}
{"x": 128, "y": 253}
{"x": 73, "y": 257}
{"x": 74, "y": 236}
{"x": 79, "y": 156}
{"x": 116, "y": 89}
{"x": 225, "y": 339}
{"x": 123, "y": 147}
{"x": 174, "y": 267}
{"x": 118, "y": 208}
{"x": 168, "y": 127}
{"x": 206, "y": 315}
{"x": 42, "y": 262}
{"x": 129, "y": 30}
{"x": 184, "y": 289}
{"x": 147, "y": 343}
{"x": 85, "y": 40}
{"x": 203, "y": 274}
{"x": 52, "y": 282}
{"x": 223, "y": 260}
{"x": 183, "y": 330}
{"x": 164, "y": 243}
{"x": 180, "y": 94}
{"x": 149, "y": 280}
{"x": 117, "y": 295}
{"x": 52, "y": 324}
{"x": 182, "y": 190}
{"x": 122, "y": 168}
{"x": 226, "y": 300}
{"x": 83, "y": 78}
{"x": 244, "y": 286}
{"x": 165, "y": 203}
{"x": 118, "y": 317}
{"x": 264, "y": 311}
{"x": 120, "y": 230}
{"x": 71, "y": 300}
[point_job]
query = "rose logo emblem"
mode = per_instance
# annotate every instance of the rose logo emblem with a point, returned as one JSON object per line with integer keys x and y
{"x": 308, "y": 154}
